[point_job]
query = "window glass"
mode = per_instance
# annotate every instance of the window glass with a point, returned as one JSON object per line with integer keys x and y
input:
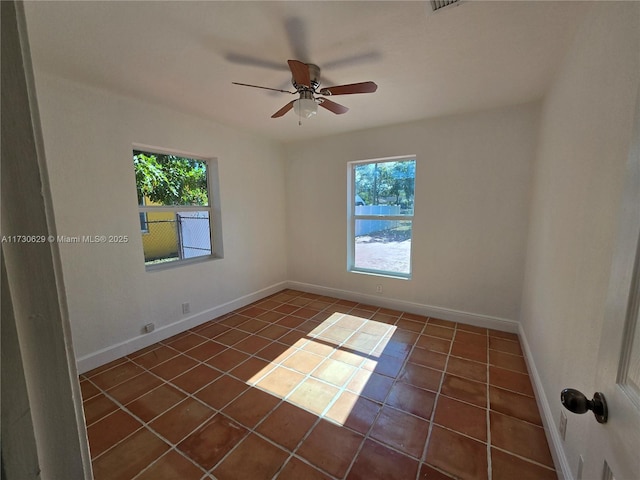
{"x": 174, "y": 207}
{"x": 381, "y": 216}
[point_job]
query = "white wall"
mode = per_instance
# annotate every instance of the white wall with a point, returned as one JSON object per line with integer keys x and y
{"x": 43, "y": 432}
{"x": 88, "y": 138}
{"x": 578, "y": 176}
{"x": 471, "y": 210}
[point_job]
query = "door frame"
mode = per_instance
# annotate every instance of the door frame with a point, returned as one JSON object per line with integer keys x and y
{"x": 609, "y": 442}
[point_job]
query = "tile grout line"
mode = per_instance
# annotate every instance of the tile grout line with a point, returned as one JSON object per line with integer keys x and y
{"x": 423, "y": 458}
{"x": 368, "y": 433}
{"x": 343, "y": 388}
{"x": 172, "y": 449}
{"x": 488, "y": 413}
{"x": 253, "y": 430}
{"x": 283, "y": 399}
{"x": 147, "y": 424}
{"x": 357, "y": 369}
{"x": 321, "y": 416}
{"x": 526, "y": 459}
{"x": 308, "y": 375}
{"x": 383, "y": 403}
{"x": 169, "y": 381}
{"x": 250, "y": 430}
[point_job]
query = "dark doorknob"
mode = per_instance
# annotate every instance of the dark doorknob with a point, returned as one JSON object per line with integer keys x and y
{"x": 577, "y": 402}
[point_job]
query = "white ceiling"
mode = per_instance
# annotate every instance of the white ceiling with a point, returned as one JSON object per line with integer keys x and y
{"x": 471, "y": 57}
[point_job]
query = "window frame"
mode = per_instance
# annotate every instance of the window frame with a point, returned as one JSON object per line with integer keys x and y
{"x": 352, "y": 217}
{"x": 213, "y": 209}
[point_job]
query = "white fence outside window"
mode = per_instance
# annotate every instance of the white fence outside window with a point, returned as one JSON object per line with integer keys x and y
{"x": 364, "y": 227}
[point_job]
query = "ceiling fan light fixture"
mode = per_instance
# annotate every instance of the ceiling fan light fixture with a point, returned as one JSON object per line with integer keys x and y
{"x": 305, "y": 107}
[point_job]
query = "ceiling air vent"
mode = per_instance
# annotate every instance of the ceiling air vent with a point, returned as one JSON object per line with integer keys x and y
{"x": 437, "y": 5}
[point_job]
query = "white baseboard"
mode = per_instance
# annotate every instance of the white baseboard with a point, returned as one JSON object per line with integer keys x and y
{"x": 106, "y": 355}
{"x": 553, "y": 435}
{"x": 479, "y": 320}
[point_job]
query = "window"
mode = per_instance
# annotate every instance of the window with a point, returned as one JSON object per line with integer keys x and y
{"x": 380, "y": 216}
{"x": 176, "y": 208}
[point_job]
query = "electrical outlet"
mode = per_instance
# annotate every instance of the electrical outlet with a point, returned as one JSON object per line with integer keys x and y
{"x": 563, "y": 425}
{"x": 186, "y": 308}
{"x": 378, "y": 288}
{"x": 149, "y": 327}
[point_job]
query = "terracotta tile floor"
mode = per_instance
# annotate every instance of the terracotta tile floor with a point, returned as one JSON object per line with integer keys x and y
{"x": 303, "y": 387}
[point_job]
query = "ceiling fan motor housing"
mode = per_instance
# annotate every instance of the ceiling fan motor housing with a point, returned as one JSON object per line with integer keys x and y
{"x": 314, "y": 75}
{"x": 305, "y": 93}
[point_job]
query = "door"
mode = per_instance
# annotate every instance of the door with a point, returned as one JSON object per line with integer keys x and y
{"x": 614, "y": 447}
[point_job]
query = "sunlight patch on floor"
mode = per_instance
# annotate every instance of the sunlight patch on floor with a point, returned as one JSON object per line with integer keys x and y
{"x": 340, "y": 354}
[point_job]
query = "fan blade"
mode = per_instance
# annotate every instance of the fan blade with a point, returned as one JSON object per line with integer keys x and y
{"x": 363, "y": 87}
{"x": 283, "y": 110}
{"x": 241, "y": 59}
{"x": 300, "y": 72}
{"x": 352, "y": 60}
{"x": 297, "y": 36}
{"x": 333, "y": 106}
{"x": 264, "y": 88}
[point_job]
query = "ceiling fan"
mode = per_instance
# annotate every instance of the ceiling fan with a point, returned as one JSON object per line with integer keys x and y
{"x": 306, "y": 81}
